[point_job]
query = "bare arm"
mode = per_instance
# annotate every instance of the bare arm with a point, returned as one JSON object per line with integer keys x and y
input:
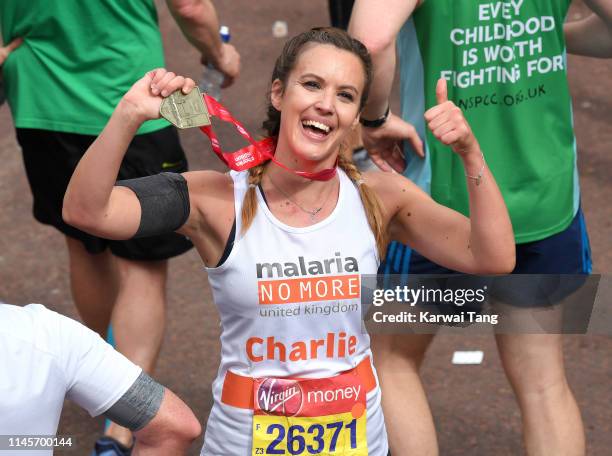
{"x": 95, "y": 374}
{"x": 171, "y": 431}
{"x": 10, "y": 47}
{"x": 482, "y": 244}
{"x": 365, "y": 25}
{"x": 603, "y": 8}
{"x": 211, "y": 196}
{"x": 589, "y": 37}
{"x": 102, "y": 209}
{"x": 92, "y": 202}
{"x": 198, "y": 21}
{"x": 383, "y": 143}
{"x": 6, "y": 50}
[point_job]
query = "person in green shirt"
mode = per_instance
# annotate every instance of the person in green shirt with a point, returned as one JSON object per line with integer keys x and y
{"x": 505, "y": 66}
{"x": 75, "y": 61}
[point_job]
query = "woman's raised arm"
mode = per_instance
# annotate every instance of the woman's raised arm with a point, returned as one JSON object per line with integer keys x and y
{"x": 92, "y": 202}
{"x": 481, "y": 244}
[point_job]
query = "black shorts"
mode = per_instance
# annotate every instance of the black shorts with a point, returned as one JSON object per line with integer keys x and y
{"x": 340, "y": 12}
{"x": 50, "y": 159}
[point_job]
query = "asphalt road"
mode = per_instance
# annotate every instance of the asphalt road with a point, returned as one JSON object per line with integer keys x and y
{"x": 474, "y": 407}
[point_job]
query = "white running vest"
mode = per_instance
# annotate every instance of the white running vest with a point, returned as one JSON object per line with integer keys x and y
{"x": 274, "y": 321}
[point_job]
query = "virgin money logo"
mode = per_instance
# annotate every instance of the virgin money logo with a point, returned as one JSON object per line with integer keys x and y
{"x": 276, "y": 396}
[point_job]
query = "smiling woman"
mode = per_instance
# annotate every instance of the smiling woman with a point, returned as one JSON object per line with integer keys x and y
{"x": 320, "y": 97}
{"x": 294, "y": 333}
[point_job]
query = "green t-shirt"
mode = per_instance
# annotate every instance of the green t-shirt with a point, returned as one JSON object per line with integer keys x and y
{"x": 505, "y": 66}
{"x": 77, "y": 60}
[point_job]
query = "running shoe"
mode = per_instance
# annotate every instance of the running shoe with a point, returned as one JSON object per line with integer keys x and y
{"x": 107, "y": 446}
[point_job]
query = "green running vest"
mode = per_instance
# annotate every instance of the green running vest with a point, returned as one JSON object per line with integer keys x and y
{"x": 505, "y": 66}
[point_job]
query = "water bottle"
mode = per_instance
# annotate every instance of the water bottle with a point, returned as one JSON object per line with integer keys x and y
{"x": 212, "y": 79}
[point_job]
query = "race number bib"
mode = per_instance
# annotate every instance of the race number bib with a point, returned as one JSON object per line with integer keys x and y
{"x": 310, "y": 416}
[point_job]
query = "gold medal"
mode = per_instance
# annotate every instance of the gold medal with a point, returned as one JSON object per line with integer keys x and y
{"x": 185, "y": 111}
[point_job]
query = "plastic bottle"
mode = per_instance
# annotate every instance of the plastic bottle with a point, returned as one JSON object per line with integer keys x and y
{"x": 212, "y": 79}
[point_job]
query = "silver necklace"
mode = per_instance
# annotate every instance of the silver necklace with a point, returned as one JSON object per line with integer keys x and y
{"x": 313, "y": 213}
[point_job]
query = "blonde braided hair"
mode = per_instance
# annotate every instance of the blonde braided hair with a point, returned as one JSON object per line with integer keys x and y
{"x": 249, "y": 204}
{"x": 371, "y": 204}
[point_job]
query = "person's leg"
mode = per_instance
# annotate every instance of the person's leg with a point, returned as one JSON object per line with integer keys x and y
{"x": 398, "y": 358}
{"x": 551, "y": 419}
{"x": 49, "y": 159}
{"x": 93, "y": 283}
{"x": 139, "y": 314}
{"x": 139, "y": 319}
{"x": 533, "y": 363}
{"x": 134, "y": 291}
{"x": 409, "y": 422}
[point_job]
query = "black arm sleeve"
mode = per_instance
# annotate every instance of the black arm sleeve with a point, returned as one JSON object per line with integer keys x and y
{"x": 164, "y": 202}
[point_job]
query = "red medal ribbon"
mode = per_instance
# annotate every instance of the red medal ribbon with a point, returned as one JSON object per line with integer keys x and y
{"x": 256, "y": 153}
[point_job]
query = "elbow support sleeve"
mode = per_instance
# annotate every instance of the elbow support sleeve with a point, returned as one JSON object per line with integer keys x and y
{"x": 164, "y": 202}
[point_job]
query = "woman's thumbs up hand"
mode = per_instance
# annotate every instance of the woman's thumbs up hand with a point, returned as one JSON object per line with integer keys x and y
{"x": 448, "y": 124}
